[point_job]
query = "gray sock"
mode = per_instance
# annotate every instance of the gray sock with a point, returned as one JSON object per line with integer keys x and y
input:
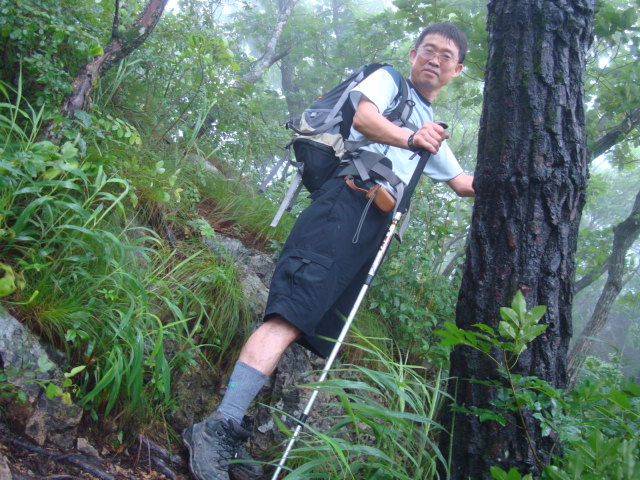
{"x": 244, "y": 384}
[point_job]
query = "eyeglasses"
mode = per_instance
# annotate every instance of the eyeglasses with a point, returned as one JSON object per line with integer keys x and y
{"x": 444, "y": 58}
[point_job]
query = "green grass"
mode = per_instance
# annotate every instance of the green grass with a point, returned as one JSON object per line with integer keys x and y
{"x": 96, "y": 284}
{"x": 387, "y": 426}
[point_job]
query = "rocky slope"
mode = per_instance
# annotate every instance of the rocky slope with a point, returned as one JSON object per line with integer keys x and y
{"x": 46, "y": 438}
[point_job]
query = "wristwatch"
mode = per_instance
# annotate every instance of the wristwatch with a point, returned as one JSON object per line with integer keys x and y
{"x": 410, "y": 144}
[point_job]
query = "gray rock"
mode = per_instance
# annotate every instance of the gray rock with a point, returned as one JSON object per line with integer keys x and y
{"x": 86, "y": 448}
{"x": 40, "y": 418}
{"x": 5, "y": 472}
{"x": 203, "y": 163}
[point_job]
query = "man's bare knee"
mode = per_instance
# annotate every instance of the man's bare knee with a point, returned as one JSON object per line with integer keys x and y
{"x": 279, "y": 327}
{"x": 267, "y": 344}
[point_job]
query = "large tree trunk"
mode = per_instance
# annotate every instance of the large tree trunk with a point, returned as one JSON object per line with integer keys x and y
{"x": 120, "y": 46}
{"x": 531, "y": 180}
{"x": 624, "y": 235}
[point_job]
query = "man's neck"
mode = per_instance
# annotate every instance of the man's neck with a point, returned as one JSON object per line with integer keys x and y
{"x": 427, "y": 97}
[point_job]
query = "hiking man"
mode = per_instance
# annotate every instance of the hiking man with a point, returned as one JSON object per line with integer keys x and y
{"x": 324, "y": 262}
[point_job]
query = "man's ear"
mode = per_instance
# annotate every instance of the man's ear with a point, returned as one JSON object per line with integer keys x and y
{"x": 412, "y": 55}
{"x": 458, "y": 70}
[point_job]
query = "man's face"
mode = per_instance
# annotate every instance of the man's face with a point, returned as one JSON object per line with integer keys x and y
{"x": 434, "y": 64}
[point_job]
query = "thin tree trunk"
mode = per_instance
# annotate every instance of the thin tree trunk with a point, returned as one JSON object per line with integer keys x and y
{"x": 295, "y": 104}
{"x": 120, "y": 46}
{"x": 531, "y": 179}
{"x": 270, "y": 56}
{"x": 601, "y": 146}
{"x": 591, "y": 276}
{"x": 624, "y": 235}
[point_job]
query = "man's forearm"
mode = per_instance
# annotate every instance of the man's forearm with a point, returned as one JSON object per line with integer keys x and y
{"x": 462, "y": 185}
{"x": 369, "y": 122}
{"x": 373, "y": 125}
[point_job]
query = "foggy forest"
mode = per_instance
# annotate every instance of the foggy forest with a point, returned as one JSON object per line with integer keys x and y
{"x": 500, "y": 338}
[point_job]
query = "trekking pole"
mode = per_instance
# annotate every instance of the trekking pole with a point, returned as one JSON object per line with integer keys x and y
{"x": 377, "y": 261}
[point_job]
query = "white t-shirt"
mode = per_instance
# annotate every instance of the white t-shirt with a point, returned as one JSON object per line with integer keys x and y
{"x": 381, "y": 89}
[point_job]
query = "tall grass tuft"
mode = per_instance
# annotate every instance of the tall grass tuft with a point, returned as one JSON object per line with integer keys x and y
{"x": 230, "y": 204}
{"x": 387, "y": 427}
{"x": 106, "y": 291}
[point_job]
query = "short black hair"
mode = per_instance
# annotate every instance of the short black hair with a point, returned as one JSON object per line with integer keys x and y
{"x": 449, "y": 31}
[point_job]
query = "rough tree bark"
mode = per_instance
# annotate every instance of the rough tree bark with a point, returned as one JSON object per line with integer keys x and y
{"x": 270, "y": 55}
{"x": 120, "y": 46}
{"x": 624, "y": 235}
{"x": 530, "y": 179}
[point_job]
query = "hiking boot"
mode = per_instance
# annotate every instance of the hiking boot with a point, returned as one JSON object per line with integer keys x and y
{"x": 244, "y": 467}
{"x": 211, "y": 444}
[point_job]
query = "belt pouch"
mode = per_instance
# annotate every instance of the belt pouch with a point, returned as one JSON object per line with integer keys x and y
{"x": 382, "y": 199}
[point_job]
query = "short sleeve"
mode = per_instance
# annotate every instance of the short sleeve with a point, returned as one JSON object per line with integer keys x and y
{"x": 443, "y": 166}
{"x": 379, "y": 87}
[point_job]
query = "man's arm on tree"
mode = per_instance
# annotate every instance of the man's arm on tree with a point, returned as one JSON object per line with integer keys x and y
{"x": 462, "y": 185}
{"x": 373, "y": 125}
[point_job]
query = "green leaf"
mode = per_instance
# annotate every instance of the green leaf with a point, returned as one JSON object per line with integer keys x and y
{"x": 509, "y": 315}
{"x": 506, "y": 330}
{"x": 68, "y": 151}
{"x": 519, "y": 304}
{"x": 7, "y": 281}
{"x": 632, "y": 389}
{"x": 533, "y": 331}
{"x": 498, "y": 473}
{"x": 484, "y": 328}
{"x": 620, "y": 398}
{"x": 44, "y": 364}
{"x": 75, "y": 371}
{"x": 536, "y": 313}
{"x": 96, "y": 50}
{"x": 53, "y": 390}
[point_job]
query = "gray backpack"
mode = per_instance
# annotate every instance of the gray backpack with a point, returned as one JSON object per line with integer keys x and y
{"x": 321, "y": 146}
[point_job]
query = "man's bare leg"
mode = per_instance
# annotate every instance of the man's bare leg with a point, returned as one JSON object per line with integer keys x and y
{"x": 215, "y": 440}
{"x": 258, "y": 359}
{"x": 266, "y": 345}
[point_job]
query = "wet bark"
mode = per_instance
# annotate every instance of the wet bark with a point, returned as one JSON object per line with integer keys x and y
{"x": 624, "y": 235}
{"x": 530, "y": 179}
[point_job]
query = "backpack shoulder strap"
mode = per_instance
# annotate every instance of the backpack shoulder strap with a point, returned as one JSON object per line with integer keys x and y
{"x": 404, "y": 105}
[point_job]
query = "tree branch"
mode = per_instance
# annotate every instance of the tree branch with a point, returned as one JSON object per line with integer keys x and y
{"x": 116, "y": 20}
{"x": 269, "y": 57}
{"x": 118, "y": 48}
{"x": 613, "y": 136}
